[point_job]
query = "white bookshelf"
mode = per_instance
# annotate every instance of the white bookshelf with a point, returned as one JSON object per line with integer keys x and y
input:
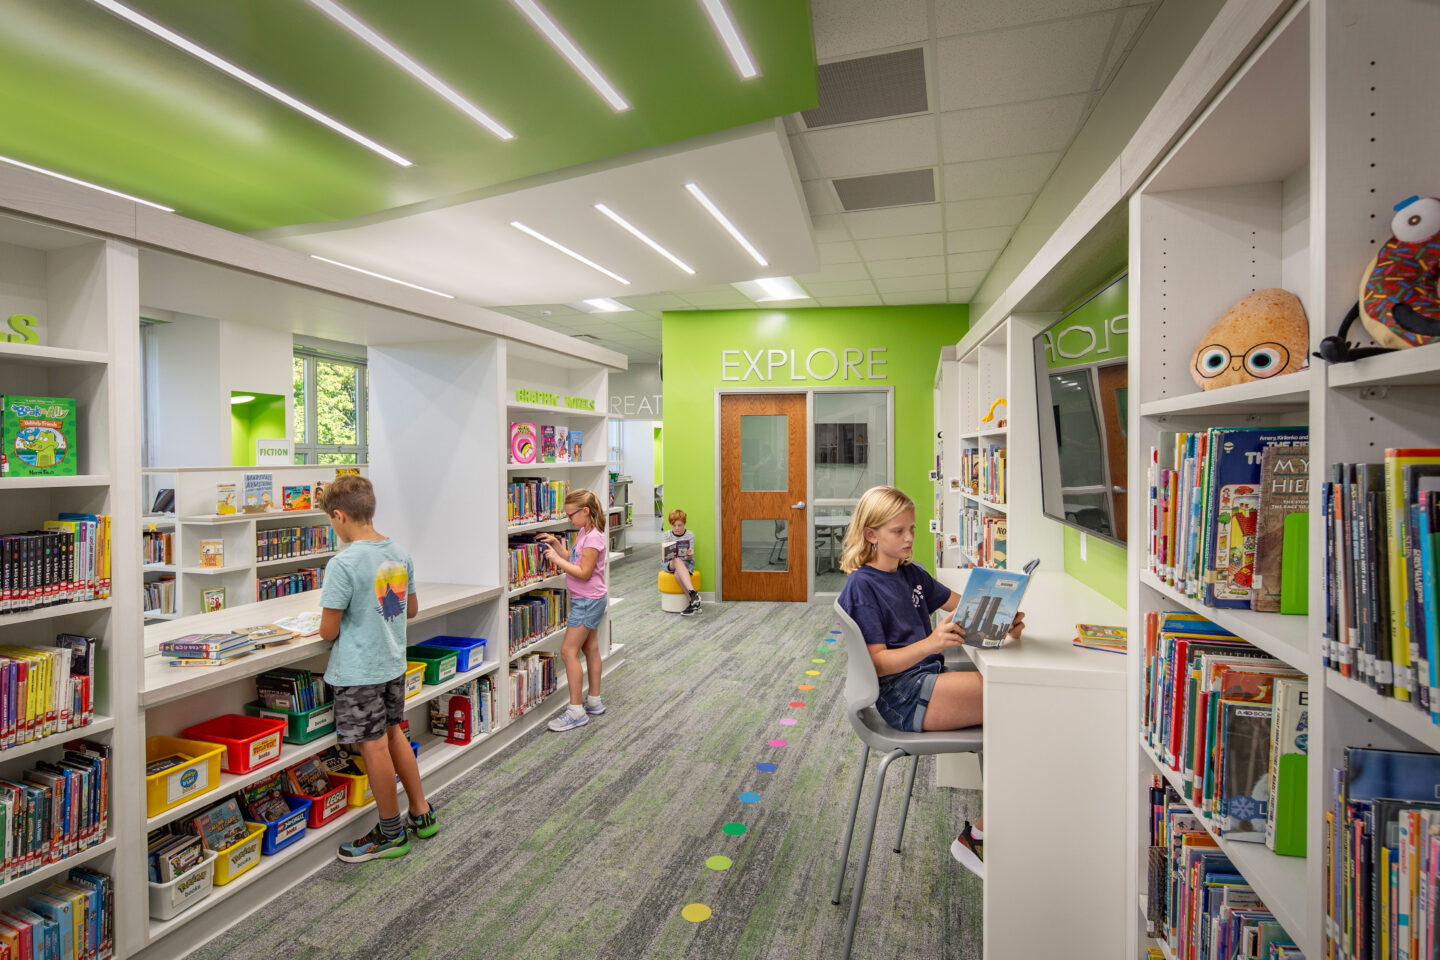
{"x": 618, "y": 534}
{"x": 948, "y": 443}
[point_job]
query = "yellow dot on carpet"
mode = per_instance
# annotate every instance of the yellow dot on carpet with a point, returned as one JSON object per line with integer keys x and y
{"x": 696, "y": 912}
{"x": 718, "y": 863}
{"x": 812, "y": 673}
{"x": 817, "y": 660}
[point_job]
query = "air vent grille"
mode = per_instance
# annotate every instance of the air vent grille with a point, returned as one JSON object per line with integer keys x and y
{"x": 868, "y": 88}
{"x": 886, "y": 189}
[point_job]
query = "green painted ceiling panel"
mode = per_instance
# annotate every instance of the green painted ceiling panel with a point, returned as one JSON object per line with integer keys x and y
{"x": 90, "y": 95}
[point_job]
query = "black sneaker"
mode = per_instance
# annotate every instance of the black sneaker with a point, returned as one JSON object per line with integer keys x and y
{"x": 692, "y": 609}
{"x": 424, "y": 825}
{"x": 969, "y": 852}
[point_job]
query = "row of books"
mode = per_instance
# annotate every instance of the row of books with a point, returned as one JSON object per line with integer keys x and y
{"x": 158, "y": 546}
{"x": 987, "y": 467}
{"x": 292, "y": 689}
{"x": 160, "y": 595}
{"x": 527, "y": 559}
{"x": 983, "y": 537}
{"x": 531, "y": 499}
{"x": 536, "y": 615}
{"x": 544, "y": 443}
{"x": 70, "y": 919}
{"x": 1382, "y": 855}
{"x": 302, "y": 580}
{"x": 68, "y": 561}
{"x": 55, "y": 810}
{"x": 218, "y": 649}
{"x": 282, "y": 543}
{"x": 1222, "y": 506}
{"x": 481, "y": 696}
{"x": 45, "y": 690}
{"x": 1382, "y": 530}
{"x": 1197, "y": 901}
{"x": 1233, "y": 723}
{"x": 533, "y": 678}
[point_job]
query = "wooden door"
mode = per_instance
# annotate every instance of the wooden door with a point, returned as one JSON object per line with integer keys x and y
{"x": 1113, "y": 411}
{"x": 764, "y": 533}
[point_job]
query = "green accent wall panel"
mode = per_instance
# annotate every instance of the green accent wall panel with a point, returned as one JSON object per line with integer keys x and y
{"x": 1103, "y": 569}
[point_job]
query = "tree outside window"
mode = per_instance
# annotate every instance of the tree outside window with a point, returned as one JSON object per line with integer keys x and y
{"x": 330, "y": 393}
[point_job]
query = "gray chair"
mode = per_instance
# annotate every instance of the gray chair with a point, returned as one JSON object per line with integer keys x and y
{"x": 862, "y": 688}
{"x": 782, "y": 541}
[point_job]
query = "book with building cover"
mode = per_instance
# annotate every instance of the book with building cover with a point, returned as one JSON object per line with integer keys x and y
{"x": 989, "y": 604}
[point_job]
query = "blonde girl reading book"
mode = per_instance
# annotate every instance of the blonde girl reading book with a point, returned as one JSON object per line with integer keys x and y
{"x": 892, "y": 601}
{"x": 585, "y": 580}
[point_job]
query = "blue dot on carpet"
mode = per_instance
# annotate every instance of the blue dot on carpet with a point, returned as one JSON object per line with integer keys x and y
{"x": 765, "y": 767}
{"x": 749, "y": 797}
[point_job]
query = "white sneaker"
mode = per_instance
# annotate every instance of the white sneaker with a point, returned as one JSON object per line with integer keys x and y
{"x": 969, "y": 852}
{"x": 567, "y": 721}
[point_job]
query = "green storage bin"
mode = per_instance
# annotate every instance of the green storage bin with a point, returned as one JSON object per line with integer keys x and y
{"x": 301, "y": 727}
{"x": 440, "y": 662}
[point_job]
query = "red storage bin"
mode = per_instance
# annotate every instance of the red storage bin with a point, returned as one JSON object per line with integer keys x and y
{"x": 328, "y": 805}
{"x": 249, "y": 742}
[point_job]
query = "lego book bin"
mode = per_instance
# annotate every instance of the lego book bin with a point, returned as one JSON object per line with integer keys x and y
{"x": 168, "y": 899}
{"x": 200, "y": 773}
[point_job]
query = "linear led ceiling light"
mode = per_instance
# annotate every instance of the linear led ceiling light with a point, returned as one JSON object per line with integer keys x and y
{"x": 402, "y": 60}
{"x": 765, "y": 289}
{"x": 381, "y": 276}
{"x": 724, "y": 221}
{"x": 724, "y": 25}
{"x": 634, "y": 232}
{"x": 225, "y": 66}
{"x": 568, "y": 252}
{"x": 604, "y": 305}
{"x": 537, "y": 16}
{"x": 83, "y": 183}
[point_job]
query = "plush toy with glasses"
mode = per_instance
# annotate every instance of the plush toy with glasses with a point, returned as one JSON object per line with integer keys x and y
{"x": 1264, "y": 335}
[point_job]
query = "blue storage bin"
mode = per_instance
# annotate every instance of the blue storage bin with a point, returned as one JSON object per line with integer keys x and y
{"x": 279, "y": 834}
{"x": 470, "y": 650}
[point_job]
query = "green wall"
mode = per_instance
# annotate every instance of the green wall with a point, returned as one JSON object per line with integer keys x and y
{"x": 911, "y": 337}
{"x": 1103, "y": 569}
{"x": 263, "y": 417}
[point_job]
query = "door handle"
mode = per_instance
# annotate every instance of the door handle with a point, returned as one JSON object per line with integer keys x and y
{"x": 798, "y": 506}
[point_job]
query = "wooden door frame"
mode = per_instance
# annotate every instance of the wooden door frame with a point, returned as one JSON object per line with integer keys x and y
{"x": 809, "y": 526}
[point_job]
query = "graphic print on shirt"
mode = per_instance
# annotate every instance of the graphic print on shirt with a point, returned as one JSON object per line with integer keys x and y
{"x": 392, "y": 584}
{"x": 917, "y": 595}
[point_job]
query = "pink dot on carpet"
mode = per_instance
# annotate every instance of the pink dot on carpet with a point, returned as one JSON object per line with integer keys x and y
{"x": 778, "y": 743}
{"x": 789, "y": 722}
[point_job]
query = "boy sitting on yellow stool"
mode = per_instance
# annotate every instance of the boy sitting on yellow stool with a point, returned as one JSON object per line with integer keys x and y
{"x": 677, "y": 550}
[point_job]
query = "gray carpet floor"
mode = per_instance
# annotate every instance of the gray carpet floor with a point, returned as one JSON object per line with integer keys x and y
{"x": 589, "y": 844}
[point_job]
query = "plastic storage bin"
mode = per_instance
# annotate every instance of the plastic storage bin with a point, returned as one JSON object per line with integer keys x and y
{"x": 249, "y": 742}
{"x": 357, "y": 786}
{"x": 239, "y": 857}
{"x": 414, "y": 677}
{"x": 470, "y": 651}
{"x": 279, "y": 834}
{"x": 329, "y": 804}
{"x": 169, "y": 899}
{"x": 302, "y": 727}
{"x": 439, "y": 662}
{"x": 170, "y": 788}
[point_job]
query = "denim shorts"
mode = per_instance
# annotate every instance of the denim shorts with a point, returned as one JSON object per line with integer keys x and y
{"x": 904, "y": 698}
{"x": 586, "y": 611}
{"x": 689, "y": 565}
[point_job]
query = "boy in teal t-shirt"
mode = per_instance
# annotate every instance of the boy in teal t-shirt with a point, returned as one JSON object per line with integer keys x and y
{"x": 368, "y": 595}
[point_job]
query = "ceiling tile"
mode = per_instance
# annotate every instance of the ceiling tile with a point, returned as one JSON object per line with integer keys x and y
{"x": 998, "y": 178}
{"x": 1020, "y": 128}
{"x": 845, "y": 27}
{"x": 994, "y": 212}
{"x": 804, "y": 163}
{"x": 907, "y": 284}
{"x": 872, "y": 300}
{"x": 1028, "y": 63}
{"x": 965, "y": 262}
{"x": 713, "y": 299}
{"x": 837, "y": 253}
{"x": 840, "y": 288}
{"x": 877, "y": 147}
{"x": 836, "y": 271}
{"x": 973, "y": 15}
{"x": 1125, "y": 37}
{"x": 917, "y": 296}
{"x": 962, "y": 294}
{"x": 915, "y": 267}
{"x": 894, "y": 248}
{"x": 896, "y": 222}
{"x": 654, "y": 301}
{"x": 970, "y": 278}
{"x": 829, "y": 229}
{"x": 986, "y": 238}
{"x": 820, "y": 197}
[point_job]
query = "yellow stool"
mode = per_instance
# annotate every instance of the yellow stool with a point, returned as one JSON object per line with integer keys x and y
{"x": 673, "y": 598}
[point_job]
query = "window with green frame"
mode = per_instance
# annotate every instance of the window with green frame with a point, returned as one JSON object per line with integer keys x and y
{"x": 332, "y": 407}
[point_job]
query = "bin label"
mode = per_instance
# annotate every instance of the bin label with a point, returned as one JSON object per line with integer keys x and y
{"x": 183, "y": 783}
{"x": 335, "y": 803}
{"x": 289, "y": 827}
{"x": 447, "y": 669}
{"x": 243, "y": 857}
{"x": 188, "y": 885}
{"x": 323, "y": 717}
{"x": 264, "y": 749}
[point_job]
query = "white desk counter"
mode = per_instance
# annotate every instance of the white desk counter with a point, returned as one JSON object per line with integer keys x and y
{"x": 1054, "y": 784}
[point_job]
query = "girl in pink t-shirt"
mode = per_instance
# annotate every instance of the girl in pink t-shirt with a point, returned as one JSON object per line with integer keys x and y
{"x": 585, "y": 580}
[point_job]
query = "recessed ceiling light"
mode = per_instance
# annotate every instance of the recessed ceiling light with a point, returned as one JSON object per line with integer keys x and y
{"x": 630, "y": 227}
{"x": 219, "y": 63}
{"x": 381, "y": 276}
{"x": 765, "y": 289}
{"x": 402, "y": 60}
{"x": 567, "y": 251}
{"x": 238, "y": 398}
{"x": 537, "y": 16}
{"x": 724, "y": 221}
{"x": 724, "y": 25}
{"x": 83, "y": 183}
{"x": 603, "y": 305}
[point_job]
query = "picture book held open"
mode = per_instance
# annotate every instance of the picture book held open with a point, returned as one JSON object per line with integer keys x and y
{"x": 989, "y": 604}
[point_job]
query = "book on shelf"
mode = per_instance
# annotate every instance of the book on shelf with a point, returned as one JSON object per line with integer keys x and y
{"x": 213, "y": 599}
{"x": 263, "y": 801}
{"x": 204, "y": 644}
{"x": 67, "y": 562}
{"x": 217, "y": 661}
{"x": 533, "y": 499}
{"x": 164, "y": 502}
{"x": 1090, "y": 636}
{"x": 535, "y": 615}
{"x": 562, "y": 445}
{"x": 172, "y": 855}
{"x": 45, "y": 690}
{"x": 989, "y": 604}
{"x": 524, "y": 443}
{"x": 347, "y": 471}
{"x": 226, "y": 502}
{"x": 37, "y": 436}
{"x": 1284, "y": 494}
{"x": 300, "y": 581}
{"x": 212, "y": 554}
{"x": 305, "y": 624}
{"x": 577, "y": 446}
{"x": 259, "y": 494}
{"x": 1285, "y": 829}
{"x": 266, "y": 635}
{"x": 220, "y": 826}
{"x": 295, "y": 497}
{"x": 548, "y": 448}
{"x": 291, "y": 689}
{"x": 308, "y": 778}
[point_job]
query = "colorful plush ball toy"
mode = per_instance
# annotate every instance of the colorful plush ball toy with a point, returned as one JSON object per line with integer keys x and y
{"x": 1262, "y": 336}
{"x": 1400, "y": 294}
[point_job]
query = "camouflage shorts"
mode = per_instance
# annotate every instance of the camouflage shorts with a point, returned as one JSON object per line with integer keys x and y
{"x": 363, "y": 712}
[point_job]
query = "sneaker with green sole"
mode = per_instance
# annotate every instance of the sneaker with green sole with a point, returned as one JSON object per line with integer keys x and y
{"x": 374, "y": 846}
{"x": 424, "y": 825}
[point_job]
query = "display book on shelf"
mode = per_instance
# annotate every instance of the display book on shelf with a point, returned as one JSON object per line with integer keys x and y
{"x": 620, "y": 514}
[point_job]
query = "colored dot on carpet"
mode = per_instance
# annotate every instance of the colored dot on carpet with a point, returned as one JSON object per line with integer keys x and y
{"x": 778, "y": 742}
{"x": 765, "y": 767}
{"x": 695, "y": 912}
{"x": 817, "y": 660}
{"x": 805, "y": 686}
{"x": 748, "y": 797}
{"x": 812, "y": 673}
{"x": 718, "y": 863}
{"x": 789, "y": 722}
{"x": 797, "y": 703}
{"x": 733, "y": 829}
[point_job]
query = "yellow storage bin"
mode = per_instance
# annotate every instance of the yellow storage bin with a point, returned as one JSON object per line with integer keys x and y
{"x": 170, "y": 788}
{"x": 239, "y": 857}
{"x": 359, "y": 795}
{"x": 414, "y": 677}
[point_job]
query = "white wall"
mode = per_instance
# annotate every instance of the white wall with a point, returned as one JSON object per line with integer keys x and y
{"x": 638, "y": 438}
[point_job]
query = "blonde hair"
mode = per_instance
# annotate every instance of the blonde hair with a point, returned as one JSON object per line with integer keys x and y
{"x": 677, "y": 516}
{"x": 584, "y": 498}
{"x": 877, "y": 507}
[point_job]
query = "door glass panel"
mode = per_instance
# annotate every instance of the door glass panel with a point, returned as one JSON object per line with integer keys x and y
{"x": 852, "y": 435}
{"x": 830, "y": 526}
{"x": 765, "y": 545}
{"x": 764, "y": 453}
